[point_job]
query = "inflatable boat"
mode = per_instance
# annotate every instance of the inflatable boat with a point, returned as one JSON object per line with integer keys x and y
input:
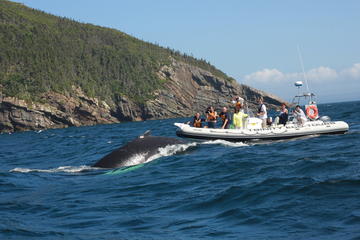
{"x": 253, "y": 130}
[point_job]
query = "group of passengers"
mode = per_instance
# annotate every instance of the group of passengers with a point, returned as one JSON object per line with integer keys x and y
{"x": 236, "y": 119}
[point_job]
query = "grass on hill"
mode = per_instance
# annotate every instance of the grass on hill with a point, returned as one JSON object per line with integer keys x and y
{"x": 40, "y": 52}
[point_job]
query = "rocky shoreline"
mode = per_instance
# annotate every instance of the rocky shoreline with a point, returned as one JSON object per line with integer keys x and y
{"x": 187, "y": 89}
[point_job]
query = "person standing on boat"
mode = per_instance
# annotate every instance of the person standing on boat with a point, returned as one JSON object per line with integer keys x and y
{"x": 239, "y": 117}
{"x": 238, "y": 102}
{"x": 284, "y": 114}
{"x": 262, "y": 112}
{"x": 211, "y": 116}
{"x": 224, "y": 115}
{"x": 299, "y": 115}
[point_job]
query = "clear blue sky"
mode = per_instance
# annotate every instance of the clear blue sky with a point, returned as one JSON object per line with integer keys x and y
{"x": 253, "y": 41}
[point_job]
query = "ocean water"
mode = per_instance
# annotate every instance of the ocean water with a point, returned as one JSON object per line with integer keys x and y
{"x": 307, "y": 188}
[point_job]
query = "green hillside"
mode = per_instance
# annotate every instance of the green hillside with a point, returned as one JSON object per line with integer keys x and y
{"x": 40, "y": 52}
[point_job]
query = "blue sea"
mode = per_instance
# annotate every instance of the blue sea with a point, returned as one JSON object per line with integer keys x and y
{"x": 306, "y": 188}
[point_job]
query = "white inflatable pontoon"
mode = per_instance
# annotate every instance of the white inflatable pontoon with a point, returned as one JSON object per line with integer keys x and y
{"x": 255, "y": 132}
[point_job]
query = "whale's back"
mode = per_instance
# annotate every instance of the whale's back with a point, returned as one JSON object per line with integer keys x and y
{"x": 145, "y": 146}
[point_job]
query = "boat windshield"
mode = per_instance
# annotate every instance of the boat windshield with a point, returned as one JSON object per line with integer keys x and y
{"x": 308, "y": 98}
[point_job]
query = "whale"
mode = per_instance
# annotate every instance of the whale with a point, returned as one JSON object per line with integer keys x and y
{"x": 136, "y": 152}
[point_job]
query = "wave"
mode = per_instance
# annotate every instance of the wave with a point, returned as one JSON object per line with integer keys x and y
{"x": 226, "y": 143}
{"x": 171, "y": 150}
{"x": 66, "y": 169}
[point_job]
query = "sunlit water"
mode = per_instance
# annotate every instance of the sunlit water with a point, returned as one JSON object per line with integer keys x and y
{"x": 306, "y": 188}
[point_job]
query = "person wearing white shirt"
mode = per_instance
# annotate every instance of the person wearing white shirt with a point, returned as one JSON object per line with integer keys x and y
{"x": 299, "y": 115}
{"x": 262, "y": 112}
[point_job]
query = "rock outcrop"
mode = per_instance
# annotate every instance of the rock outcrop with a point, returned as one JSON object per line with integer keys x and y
{"x": 187, "y": 89}
{"x": 57, "y": 111}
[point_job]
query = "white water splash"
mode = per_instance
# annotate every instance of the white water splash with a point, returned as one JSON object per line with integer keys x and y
{"x": 135, "y": 160}
{"x": 66, "y": 169}
{"x": 171, "y": 150}
{"x": 226, "y": 143}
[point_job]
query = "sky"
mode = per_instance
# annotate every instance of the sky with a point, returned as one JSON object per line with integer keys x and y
{"x": 257, "y": 42}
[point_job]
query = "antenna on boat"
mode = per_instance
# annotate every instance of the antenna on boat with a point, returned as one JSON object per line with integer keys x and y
{"x": 308, "y": 94}
{"x": 302, "y": 66}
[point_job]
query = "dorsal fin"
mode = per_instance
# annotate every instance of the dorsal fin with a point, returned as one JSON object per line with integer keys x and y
{"x": 147, "y": 133}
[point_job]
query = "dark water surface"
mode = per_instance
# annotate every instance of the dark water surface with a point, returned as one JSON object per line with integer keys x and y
{"x": 306, "y": 188}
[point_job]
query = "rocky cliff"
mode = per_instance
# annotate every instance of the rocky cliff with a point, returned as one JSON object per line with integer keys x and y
{"x": 187, "y": 89}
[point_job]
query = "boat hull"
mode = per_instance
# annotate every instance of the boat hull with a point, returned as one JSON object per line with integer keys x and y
{"x": 272, "y": 133}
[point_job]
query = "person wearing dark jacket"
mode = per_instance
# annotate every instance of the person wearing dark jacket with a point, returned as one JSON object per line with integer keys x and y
{"x": 225, "y": 117}
{"x": 284, "y": 114}
{"x": 197, "y": 121}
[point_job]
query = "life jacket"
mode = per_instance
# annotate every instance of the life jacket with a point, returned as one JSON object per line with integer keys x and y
{"x": 197, "y": 123}
{"x": 211, "y": 116}
{"x": 259, "y": 109}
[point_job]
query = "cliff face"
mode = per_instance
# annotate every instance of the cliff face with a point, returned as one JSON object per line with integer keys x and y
{"x": 187, "y": 90}
{"x": 190, "y": 89}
